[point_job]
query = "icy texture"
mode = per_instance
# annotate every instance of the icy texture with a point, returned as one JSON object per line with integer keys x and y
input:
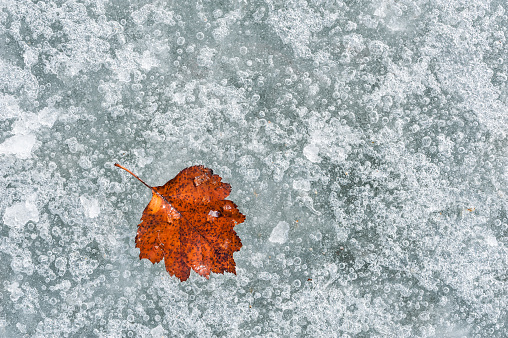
{"x": 375, "y": 132}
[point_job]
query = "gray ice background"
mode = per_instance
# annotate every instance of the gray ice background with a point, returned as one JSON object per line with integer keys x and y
{"x": 366, "y": 141}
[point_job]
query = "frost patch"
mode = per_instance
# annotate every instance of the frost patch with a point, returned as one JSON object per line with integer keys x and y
{"x": 9, "y": 107}
{"x": 311, "y": 152}
{"x": 490, "y": 240}
{"x": 14, "y": 290}
{"x": 224, "y": 25}
{"x": 17, "y": 215}
{"x": 148, "y": 61}
{"x": 330, "y": 139}
{"x": 154, "y": 12}
{"x": 303, "y": 185}
{"x": 30, "y": 122}
{"x": 158, "y": 331}
{"x": 19, "y": 145}
{"x": 205, "y": 57}
{"x": 91, "y": 207}
{"x": 280, "y": 233}
{"x": 297, "y": 27}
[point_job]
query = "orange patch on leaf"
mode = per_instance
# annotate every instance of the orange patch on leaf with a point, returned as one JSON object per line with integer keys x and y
{"x": 189, "y": 224}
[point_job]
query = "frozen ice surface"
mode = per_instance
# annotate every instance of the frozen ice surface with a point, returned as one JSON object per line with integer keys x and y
{"x": 366, "y": 142}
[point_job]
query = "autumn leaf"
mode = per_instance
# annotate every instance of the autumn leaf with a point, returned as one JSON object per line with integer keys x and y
{"x": 189, "y": 224}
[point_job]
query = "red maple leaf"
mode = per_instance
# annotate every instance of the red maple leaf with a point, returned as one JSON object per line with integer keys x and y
{"x": 190, "y": 224}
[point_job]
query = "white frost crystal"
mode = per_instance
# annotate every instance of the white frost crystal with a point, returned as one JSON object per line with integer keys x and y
{"x": 17, "y": 215}
{"x": 90, "y": 206}
{"x": 19, "y": 145}
{"x": 311, "y": 152}
{"x": 280, "y": 233}
{"x": 158, "y": 332}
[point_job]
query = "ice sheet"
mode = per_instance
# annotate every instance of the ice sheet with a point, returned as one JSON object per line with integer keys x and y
{"x": 365, "y": 141}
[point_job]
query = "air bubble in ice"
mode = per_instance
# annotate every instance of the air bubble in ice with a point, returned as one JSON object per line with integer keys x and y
{"x": 61, "y": 263}
{"x": 426, "y": 141}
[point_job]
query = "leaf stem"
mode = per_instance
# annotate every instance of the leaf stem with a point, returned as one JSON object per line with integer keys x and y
{"x": 130, "y": 172}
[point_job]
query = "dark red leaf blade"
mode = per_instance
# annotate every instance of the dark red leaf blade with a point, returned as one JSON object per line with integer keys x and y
{"x": 189, "y": 224}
